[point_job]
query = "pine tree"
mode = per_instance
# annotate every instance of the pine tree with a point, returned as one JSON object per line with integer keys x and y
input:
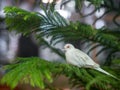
{"x": 37, "y": 71}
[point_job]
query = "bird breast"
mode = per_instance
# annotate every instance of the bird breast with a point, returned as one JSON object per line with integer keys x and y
{"x": 74, "y": 59}
{"x": 80, "y": 59}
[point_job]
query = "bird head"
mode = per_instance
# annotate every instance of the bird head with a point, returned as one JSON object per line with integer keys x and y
{"x": 68, "y": 47}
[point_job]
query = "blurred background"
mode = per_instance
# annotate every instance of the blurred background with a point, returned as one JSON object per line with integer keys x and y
{"x": 14, "y": 45}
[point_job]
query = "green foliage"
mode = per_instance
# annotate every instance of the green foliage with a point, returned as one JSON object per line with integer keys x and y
{"x": 21, "y": 20}
{"x": 59, "y": 28}
{"x": 27, "y": 70}
{"x": 93, "y": 80}
{"x": 53, "y": 20}
{"x": 76, "y": 31}
{"x": 116, "y": 61}
{"x": 38, "y": 72}
{"x": 96, "y": 3}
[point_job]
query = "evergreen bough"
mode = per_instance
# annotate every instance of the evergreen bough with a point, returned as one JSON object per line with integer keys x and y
{"x": 38, "y": 72}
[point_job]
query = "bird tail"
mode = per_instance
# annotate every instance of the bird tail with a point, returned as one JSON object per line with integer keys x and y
{"x": 103, "y": 71}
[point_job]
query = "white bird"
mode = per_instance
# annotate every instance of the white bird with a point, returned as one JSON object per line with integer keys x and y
{"x": 78, "y": 58}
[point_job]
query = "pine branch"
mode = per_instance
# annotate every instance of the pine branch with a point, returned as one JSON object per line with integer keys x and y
{"x": 76, "y": 31}
{"x": 52, "y": 24}
{"x": 21, "y": 20}
{"x": 96, "y": 3}
{"x": 27, "y": 70}
{"x": 36, "y": 72}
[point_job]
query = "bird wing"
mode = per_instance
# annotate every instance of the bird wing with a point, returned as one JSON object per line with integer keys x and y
{"x": 84, "y": 59}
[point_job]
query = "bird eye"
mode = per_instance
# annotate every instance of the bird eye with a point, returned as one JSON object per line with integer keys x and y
{"x": 68, "y": 46}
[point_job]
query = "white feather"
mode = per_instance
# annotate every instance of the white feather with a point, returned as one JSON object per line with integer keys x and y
{"x": 103, "y": 71}
{"x": 78, "y": 58}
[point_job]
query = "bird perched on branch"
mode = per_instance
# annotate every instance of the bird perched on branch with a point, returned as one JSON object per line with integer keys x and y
{"x": 78, "y": 58}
